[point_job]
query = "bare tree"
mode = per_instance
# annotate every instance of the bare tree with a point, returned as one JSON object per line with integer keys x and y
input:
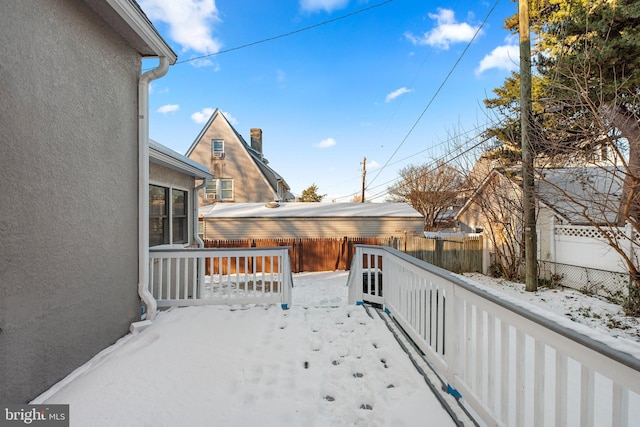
{"x": 430, "y": 190}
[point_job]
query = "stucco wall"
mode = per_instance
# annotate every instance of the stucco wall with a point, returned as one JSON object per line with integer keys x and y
{"x": 249, "y": 184}
{"x": 68, "y": 207}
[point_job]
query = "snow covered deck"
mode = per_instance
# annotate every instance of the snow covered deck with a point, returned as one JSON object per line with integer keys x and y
{"x": 330, "y": 360}
{"x": 320, "y": 363}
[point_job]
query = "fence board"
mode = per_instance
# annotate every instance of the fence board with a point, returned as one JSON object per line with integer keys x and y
{"x": 457, "y": 254}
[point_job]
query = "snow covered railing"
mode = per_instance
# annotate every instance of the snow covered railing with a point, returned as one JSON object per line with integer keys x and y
{"x": 511, "y": 363}
{"x": 193, "y": 276}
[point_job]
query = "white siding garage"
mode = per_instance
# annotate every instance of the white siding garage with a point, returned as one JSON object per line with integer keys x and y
{"x": 303, "y": 220}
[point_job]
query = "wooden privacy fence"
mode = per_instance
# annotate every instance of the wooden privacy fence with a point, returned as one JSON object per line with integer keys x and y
{"x": 459, "y": 254}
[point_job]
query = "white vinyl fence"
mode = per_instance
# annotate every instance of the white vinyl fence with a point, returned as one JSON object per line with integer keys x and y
{"x": 191, "y": 276}
{"x": 509, "y": 362}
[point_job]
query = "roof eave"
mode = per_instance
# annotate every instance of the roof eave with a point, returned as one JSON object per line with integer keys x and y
{"x": 139, "y": 31}
{"x": 164, "y": 159}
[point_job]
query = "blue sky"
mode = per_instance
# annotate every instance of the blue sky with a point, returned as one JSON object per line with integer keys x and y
{"x": 368, "y": 79}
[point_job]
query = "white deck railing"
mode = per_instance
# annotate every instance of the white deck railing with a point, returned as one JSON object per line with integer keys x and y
{"x": 513, "y": 364}
{"x": 190, "y": 276}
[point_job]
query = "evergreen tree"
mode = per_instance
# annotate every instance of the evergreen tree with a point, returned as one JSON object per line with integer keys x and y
{"x": 310, "y": 194}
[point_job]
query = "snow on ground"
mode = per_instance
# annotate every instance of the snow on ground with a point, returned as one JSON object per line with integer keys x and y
{"x": 588, "y": 310}
{"x": 320, "y": 363}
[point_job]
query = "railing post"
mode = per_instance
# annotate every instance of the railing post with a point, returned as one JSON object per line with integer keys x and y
{"x": 355, "y": 285}
{"x": 287, "y": 280}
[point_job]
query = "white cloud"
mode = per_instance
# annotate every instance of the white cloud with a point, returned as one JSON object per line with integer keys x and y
{"x": 190, "y": 22}
{"x": 169, "y": 108}
{"x": 505, "y": 57}
{"x": 232, "y": 120}
{"x": 326, "y": 143}
{"x": 202, "y": 116}
{"x": 373, "y": 164}
{"x": 326, "y": 5}
{"x": 447, "y": 32}
{"x": 202, "y": 63}
{"x": 396, "y": 93}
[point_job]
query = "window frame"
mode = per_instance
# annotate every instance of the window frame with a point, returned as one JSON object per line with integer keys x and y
{"x": 217, "y": 154}
{"x": 218, "y": 191}
{"x": 169, "y": 217}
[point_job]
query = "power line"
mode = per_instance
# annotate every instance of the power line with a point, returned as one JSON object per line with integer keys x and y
{"x": 443, "y": 156}
{"x": 310, "y": 27}
{"x": 438, "y": 90}
{"x": 436, "y": 162}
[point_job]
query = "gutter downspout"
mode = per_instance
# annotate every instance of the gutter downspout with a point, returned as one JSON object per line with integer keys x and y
{"x": 197, "y": 238}
{"x": 143, "y": 184}
{"x": 196, "y": 189}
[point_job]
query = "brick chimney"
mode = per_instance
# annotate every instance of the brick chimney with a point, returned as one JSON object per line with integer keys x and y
{"x": 256, "y": 139}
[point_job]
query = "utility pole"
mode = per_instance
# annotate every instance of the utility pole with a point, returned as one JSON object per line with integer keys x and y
{"x": 528, "y": 189}
{"x": 364, "y": 174}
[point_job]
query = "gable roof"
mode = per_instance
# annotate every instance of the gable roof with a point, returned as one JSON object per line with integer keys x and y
{"x": 572, "y": 193}
{"x": 578, "y": 192}
{"x": 270, "y": 176}
{"x": 309, "y": 210}
{"x": 128, "y": 19}
{"x": 493, "y": 174}
{"x": 164, "y": 156}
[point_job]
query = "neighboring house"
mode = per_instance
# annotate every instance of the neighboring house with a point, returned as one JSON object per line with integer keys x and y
{"x": 564, "y": 196}
{"x": 73, "y": 115}
{"x": 241, "y": 171}
{"x": 174, "y": 181}
{"x": 302, "y": 220}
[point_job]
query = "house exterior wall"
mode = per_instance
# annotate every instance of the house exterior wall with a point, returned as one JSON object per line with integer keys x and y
{"x": 68, "y": 210}
{"x": 270, "y": 228}
{"x": 249, "y": 184}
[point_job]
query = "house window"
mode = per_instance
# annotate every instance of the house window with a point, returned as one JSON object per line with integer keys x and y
{"x": 217, "y": 148}
{"x": 219, "y": 189}
{"x": 179, "y": 219}
{"x": 226, "y": 189}
{"x": 158, "y": 215}
{"x": 168, "y": 216}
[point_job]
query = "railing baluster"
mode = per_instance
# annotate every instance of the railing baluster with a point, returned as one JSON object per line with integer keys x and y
{"x": 491, "y": 361}
{"x": 151, "y": 271}
{"x": 521, "y": 357}
{"x": 468, "y": 353}
{"x": 238, "y": 276}
{"x": 587, "y": 385}
{"x": 169, "y": 277}
{"x": 505, "y": 378}
{"x": 538, "y": 384}
{"x": 185, "y": 279}
{"x": 562, "y": 376}
{"x": 196, "y": 274}
{"x": 271, "y": 276}
{"x": 620, "y": 406}
{"x": 479, "y": 359}
{"x": 160, "y": 278}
